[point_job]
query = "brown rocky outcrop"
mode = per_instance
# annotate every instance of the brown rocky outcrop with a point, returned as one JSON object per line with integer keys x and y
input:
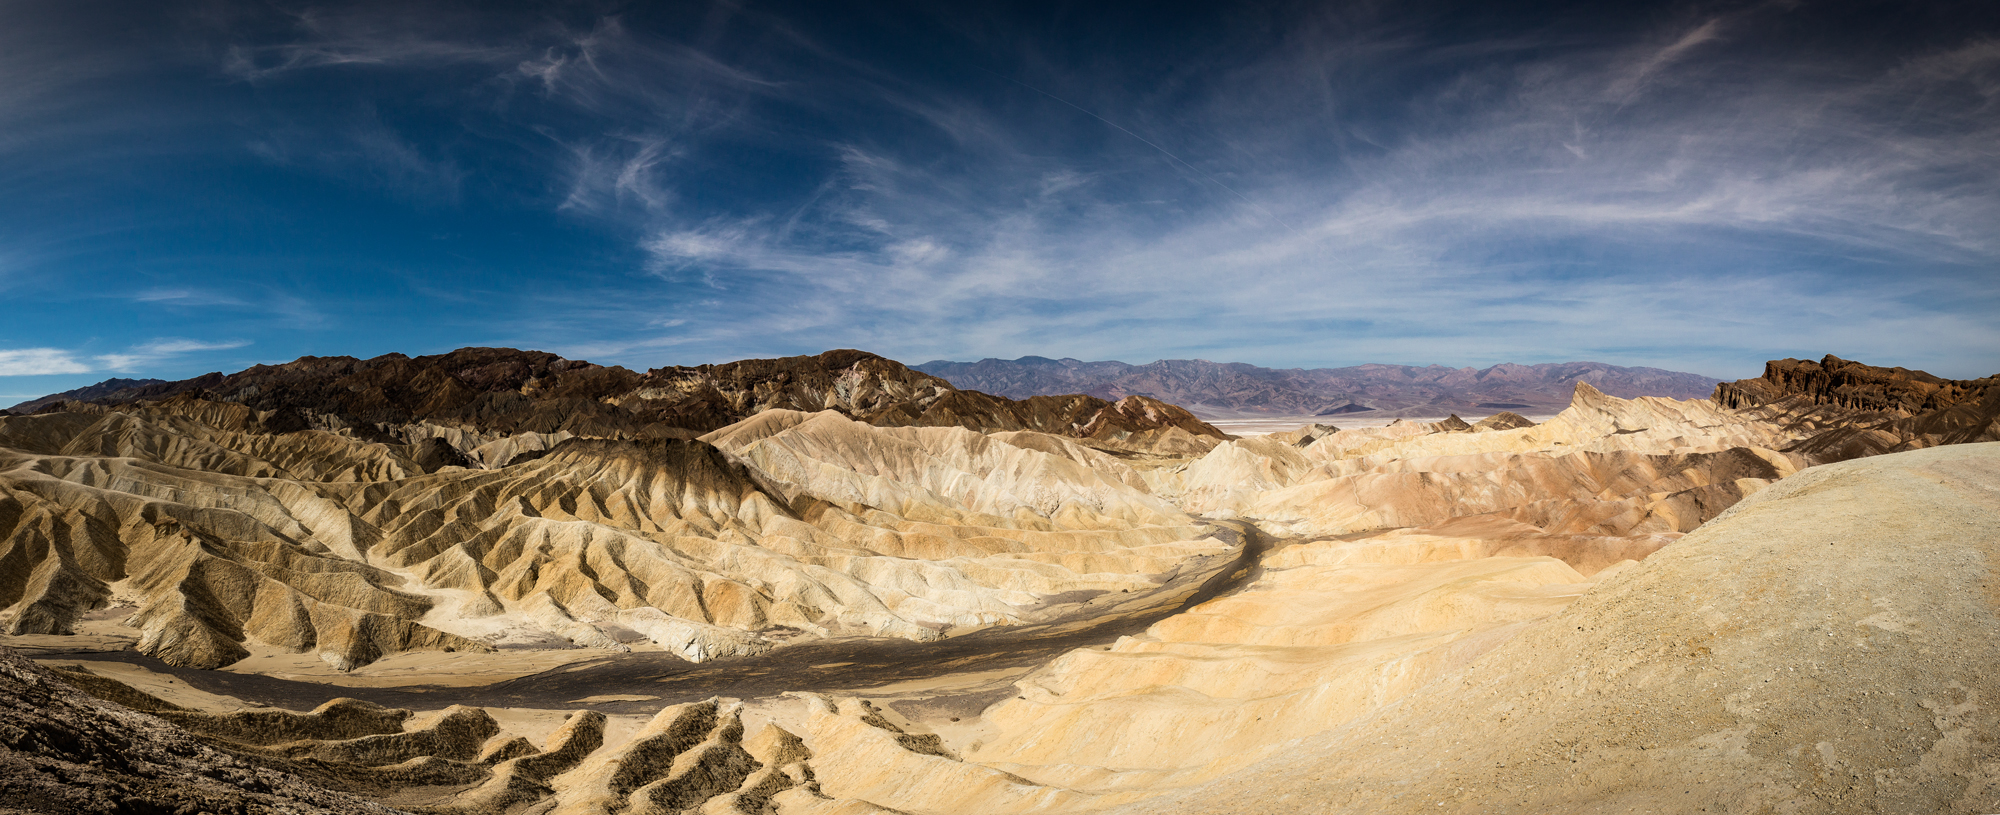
{"x": 1845, "y": 383}
{"x": 1846, "y": 410}
{"x": 1504, "y": 420}
{"x": 502, "y": 391}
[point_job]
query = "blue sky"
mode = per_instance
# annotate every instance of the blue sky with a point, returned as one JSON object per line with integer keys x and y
{"x": 197, "y": 186}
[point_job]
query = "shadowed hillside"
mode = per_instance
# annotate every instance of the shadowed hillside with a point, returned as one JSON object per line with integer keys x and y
{"x": 502, "y": 391}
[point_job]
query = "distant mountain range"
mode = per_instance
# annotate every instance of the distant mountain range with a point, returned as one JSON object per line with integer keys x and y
{"x": 88, "y": 393}
{"x": 399, "y": 389}
{"x": 1225, "y": 389}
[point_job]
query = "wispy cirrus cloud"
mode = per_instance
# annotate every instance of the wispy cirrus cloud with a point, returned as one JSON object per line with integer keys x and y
{"x": 1691, "y": 186}
{"x": 356, "y": 36}
{"x": 1422, "y": 197}
{"x": 190, "y": 297}
{"x": 1737, "y": 203}
{"x": 1629, "y": 85}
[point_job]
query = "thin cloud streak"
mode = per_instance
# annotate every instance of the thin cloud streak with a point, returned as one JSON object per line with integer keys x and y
{"x": 153, "y": 353}
{"x": 52, "y": 361}
{"x": 39, "y": 362}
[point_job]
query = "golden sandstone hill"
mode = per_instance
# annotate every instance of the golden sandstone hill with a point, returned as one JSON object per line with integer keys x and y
{"x": 217, "y": 536}
{"x": 1733, "y": 603}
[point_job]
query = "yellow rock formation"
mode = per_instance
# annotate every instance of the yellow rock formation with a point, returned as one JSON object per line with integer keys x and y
{"x": 1638, "y": 603}
{"x": 789, "y": 522}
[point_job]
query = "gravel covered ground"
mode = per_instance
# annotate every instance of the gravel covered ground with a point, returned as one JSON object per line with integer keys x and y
{"x": 64, "y": 752}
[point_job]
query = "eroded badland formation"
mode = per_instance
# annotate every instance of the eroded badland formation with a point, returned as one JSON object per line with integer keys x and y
{"x": 503, "y": 582}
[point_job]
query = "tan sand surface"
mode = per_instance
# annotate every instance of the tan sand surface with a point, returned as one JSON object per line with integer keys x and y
{"x": 1825, "y": 646}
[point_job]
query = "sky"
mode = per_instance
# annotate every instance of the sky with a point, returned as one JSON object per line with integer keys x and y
{"x": 202, "y": 186}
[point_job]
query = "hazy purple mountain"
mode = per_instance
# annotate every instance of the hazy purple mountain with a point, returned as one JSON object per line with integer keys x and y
{"x": 1229, "y": 387}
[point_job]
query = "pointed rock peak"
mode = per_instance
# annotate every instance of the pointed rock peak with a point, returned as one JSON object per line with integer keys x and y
{"x": 70, "y": 406}
{"x": 1589, "y": 397}
{"x": 1139, "y": 402}
{"x": 1504, "y": 420}
{"x": 756, "y": 428}
{"x": 1141, "y": 412}
{"x": 191, "y": 396}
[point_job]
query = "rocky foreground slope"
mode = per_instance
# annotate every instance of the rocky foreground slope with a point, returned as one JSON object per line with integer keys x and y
{"x": 1825, "y": 646}
{"x": 1643, "y": 602}
{"x": 64, "y": 750}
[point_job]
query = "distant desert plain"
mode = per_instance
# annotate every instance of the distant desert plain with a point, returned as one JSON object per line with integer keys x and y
{"x": 500, "y": 581}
